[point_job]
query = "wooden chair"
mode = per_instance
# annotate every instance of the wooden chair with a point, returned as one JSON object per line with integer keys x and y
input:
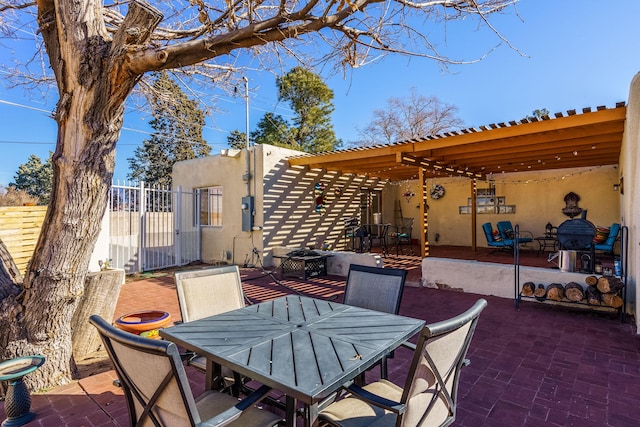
{"x": 429, "y": 396}
{"x": 157, "y": 391}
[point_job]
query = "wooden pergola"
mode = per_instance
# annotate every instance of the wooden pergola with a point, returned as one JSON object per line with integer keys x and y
{"x": 564, "y": 140}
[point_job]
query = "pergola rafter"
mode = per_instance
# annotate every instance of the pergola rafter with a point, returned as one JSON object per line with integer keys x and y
{"x": 559, "y": 141}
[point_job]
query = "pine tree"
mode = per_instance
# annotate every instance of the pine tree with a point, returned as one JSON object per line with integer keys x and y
{"x": 35, "y": 178}
{"x": 177, "y": 123}
{"x": 312, "y": 101}
{"x": 237, "y": 140}
{"x": 273, "y": 129}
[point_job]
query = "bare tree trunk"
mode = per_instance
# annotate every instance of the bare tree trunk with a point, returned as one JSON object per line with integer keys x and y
{"x": 93, "y": 81}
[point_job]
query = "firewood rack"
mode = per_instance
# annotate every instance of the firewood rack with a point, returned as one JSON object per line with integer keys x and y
{"x": 518, "y": 297}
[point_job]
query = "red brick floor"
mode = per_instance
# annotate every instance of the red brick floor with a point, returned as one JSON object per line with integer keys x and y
{"x": 536, "y": 366}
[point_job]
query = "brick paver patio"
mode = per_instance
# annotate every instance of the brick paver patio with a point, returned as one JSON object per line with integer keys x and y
{"x": 536, "y": 366}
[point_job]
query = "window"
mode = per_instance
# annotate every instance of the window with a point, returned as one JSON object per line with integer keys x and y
{"x": 210, "y": 201}
{"x": 488, "y": 203}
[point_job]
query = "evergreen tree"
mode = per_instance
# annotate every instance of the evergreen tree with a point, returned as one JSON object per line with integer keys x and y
{"x": 177, "y": 123}
{"x": 312, "y": 102}
{"x": 273, "y": 129}
{"x": 35, "y": 178}
{"x": 237, "y": 140}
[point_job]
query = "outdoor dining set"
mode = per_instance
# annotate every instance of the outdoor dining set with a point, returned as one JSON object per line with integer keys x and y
{"x": 365, "y": 237}
{"x": 302, "y": 359}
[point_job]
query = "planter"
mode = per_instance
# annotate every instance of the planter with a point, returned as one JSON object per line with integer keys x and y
{"x": 145, "y": 323}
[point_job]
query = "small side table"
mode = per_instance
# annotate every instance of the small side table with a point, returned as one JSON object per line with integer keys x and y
{"x": 546, "y": 242}
{"x": 17, "y": 404}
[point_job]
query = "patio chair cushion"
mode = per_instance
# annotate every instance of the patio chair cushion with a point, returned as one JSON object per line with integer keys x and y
{"x": 601, "y": 234}
{"x": 608, "y": 244}
{"x": 506, "y": 231}
{"x": 492, "y": 241}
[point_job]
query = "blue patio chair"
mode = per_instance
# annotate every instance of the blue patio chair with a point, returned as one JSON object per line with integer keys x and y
{"x": 499, "y": 245}
{"x": 507, "y": 233}
{"x": 607, "y": 245}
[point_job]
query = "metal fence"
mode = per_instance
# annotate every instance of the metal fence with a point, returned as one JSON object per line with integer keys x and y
{"x": 152, "y": 228}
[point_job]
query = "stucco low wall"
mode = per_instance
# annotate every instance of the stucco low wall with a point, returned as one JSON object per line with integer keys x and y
{"x": 488, "y": 278}
{"x": 339, "y": 262}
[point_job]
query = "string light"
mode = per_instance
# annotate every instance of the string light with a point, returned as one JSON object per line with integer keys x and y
{"x": 490, "y": 178}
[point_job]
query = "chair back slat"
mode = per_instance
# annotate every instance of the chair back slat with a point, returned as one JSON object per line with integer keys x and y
{"x": 152, "y": 376}
{"x": 375, "y": 288}
{"x": 207, "y": 292}
{"x": 432, "y": 384}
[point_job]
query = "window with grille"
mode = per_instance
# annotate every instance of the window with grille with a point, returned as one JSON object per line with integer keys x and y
{"x": 210, "y": 201}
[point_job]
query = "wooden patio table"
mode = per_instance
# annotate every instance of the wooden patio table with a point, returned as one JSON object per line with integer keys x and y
{"x": 305, "y": 347}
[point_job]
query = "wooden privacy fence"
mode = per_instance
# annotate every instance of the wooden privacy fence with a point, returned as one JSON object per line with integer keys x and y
{"x": 19, "y": 230}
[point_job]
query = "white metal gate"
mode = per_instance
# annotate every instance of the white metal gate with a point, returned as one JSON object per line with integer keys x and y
{"x": 152, "y": 228}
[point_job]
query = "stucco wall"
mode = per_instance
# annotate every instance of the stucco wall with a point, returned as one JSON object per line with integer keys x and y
{"x": 487, "y": 278}
{"x": 228, "y": 172}
{"x": 285, "y": 204}
{"x": 538, "y": 198}
{"x": 630, "y": 199}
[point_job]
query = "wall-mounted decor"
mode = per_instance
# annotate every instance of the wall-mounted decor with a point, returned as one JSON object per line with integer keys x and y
{"x": 437, "y": 191}
{"x": 408, "y": 194}
{"x": 488, "y": 203}
{"x": 319, "y": 193}
{"x": 571, "y": 201}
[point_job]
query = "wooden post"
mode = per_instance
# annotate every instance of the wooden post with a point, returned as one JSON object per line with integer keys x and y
{"x": 424, "y": 214}
{"x": 474, "y": 219}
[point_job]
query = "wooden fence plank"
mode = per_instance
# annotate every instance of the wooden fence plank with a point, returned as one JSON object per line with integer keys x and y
{"x": 19, "y": 230}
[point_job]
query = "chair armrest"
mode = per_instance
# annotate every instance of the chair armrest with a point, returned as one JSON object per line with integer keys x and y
{"x": 373, "y": 399}
{"x": 526, "y": 233}
{"x": 234, "y": 412}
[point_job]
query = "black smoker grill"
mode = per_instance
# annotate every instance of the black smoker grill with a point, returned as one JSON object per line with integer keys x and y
{"x": 577, "y": 235}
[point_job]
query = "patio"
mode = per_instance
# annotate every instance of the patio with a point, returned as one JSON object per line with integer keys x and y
{"x": 537, "y": 366}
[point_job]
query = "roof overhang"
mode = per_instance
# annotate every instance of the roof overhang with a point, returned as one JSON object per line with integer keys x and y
{"x": 569, "y": 140}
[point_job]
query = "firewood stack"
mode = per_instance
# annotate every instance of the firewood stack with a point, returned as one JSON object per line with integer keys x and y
{"x": 604, "y": 290}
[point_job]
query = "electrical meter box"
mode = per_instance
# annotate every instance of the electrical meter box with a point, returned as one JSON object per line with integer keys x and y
{"x": 247, "y": 213}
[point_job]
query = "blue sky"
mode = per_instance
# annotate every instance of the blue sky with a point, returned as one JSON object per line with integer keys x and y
{"x": 575, "y": 54}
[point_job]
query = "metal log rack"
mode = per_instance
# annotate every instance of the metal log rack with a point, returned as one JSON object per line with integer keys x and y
{"x": 518, "y": 297}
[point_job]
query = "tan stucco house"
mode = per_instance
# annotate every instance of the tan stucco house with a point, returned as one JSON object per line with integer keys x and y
{"x": 267, "y": 197}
